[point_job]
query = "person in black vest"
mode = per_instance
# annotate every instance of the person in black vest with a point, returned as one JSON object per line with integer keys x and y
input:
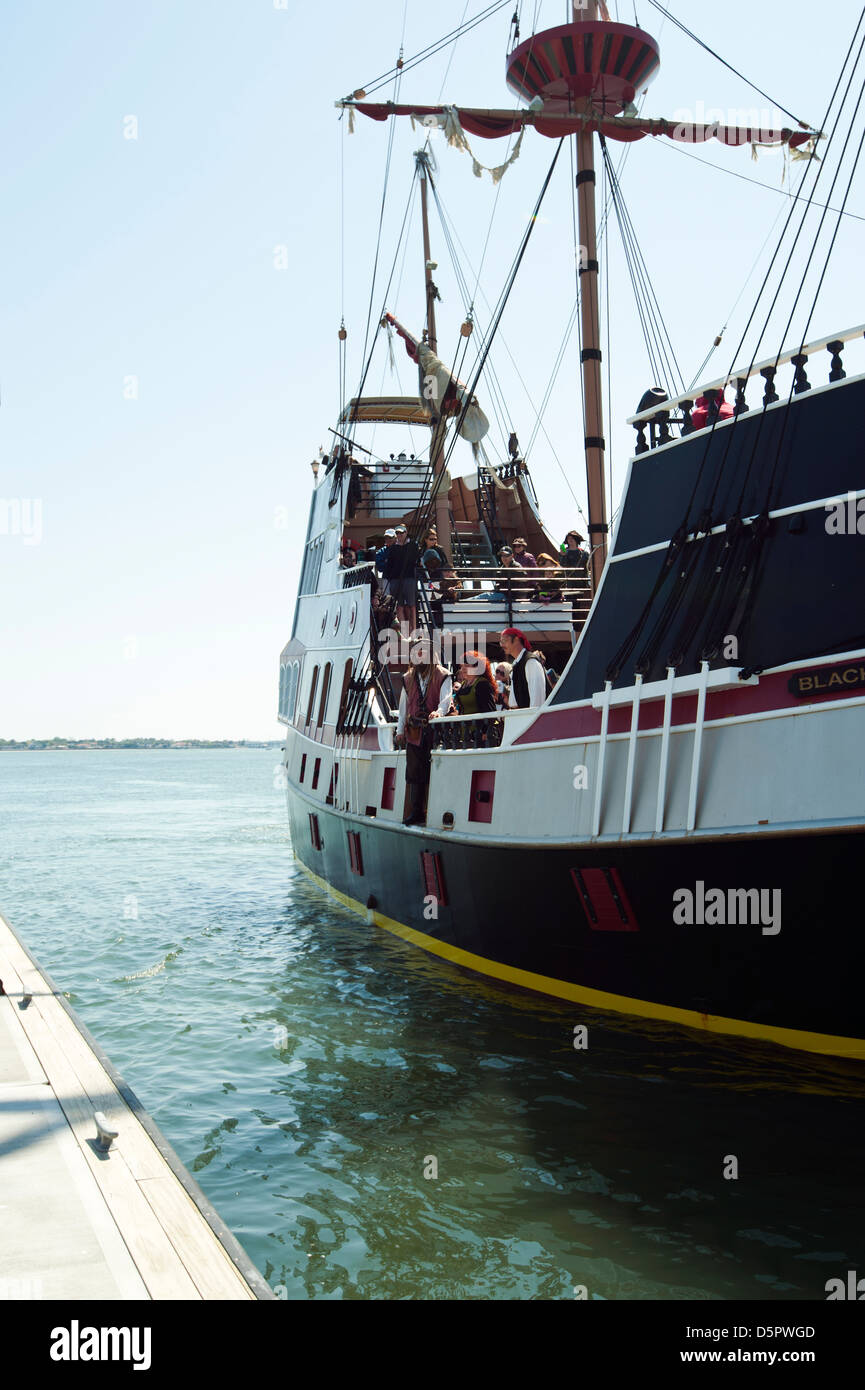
{"x": 528, "y": 681}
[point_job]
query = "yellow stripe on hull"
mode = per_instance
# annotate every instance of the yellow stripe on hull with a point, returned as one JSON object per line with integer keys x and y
{"x": 825, "y": 1043}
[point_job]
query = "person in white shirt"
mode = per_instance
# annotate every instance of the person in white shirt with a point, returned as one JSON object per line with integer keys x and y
{"x": 528, "y": 682}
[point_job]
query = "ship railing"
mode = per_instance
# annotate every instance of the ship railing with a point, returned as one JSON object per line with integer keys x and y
{"x": 493, "y": 614}
{"x": 672, "y": 419}
{"x": 390, "y": 490}
{"x": 498, "y": 600}
{"x": 457, "y": 733}
{"x": 484, "y": 576}
{"x": 358, "y": 574}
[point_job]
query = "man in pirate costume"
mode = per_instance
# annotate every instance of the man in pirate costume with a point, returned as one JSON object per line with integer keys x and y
{"x": 426, "y": 695}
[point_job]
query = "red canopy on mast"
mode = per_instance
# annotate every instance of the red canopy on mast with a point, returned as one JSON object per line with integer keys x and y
{"x": 489, "y": 124}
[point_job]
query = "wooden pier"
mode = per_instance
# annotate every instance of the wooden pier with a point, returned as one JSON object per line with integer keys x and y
{"x": 79, "y": 1221}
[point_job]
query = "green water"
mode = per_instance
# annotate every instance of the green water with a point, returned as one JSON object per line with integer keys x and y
{"x": 314, "y": 1072}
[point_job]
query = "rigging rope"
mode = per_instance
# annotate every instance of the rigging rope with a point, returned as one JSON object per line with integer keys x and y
{"x": 368, "y": 364}
{"x": 497, "y": 316}
{"x": 433, "y": 48}
{"x": 691, "y": 35}
{"x": 678, "y": 148}
{"x": 736, "y": 539}
{"x": 640, "y": 276}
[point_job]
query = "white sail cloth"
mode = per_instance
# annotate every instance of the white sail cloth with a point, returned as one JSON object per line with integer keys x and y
{"x": 437, "y": 382}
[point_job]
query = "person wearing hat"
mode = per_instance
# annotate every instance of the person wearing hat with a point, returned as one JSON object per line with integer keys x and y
{"x": 573, "y": 555}
{"x": 523, "y": 555}
{"x": 381, "y": 558}
{"x": 528, "y": 681}
{"x": 400, "y": 571}
{"x": 511, "y": 582}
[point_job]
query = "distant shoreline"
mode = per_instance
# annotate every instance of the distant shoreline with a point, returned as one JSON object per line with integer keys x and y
{"x": 102, "y": 745}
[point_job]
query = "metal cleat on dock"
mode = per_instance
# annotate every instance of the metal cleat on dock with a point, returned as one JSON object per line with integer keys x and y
{"x": 104, "y": 1133}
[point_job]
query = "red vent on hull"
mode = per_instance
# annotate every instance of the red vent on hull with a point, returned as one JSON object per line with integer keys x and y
{"x": 388, "y": 787}
{"x": 355, "y": 853}
{"x": 483, "y": 790}
{"x": 433, "y": 877}
{"x": 314, "y": 833}
{"x": 334, "y": 778}
{"x": 604, "y": 900}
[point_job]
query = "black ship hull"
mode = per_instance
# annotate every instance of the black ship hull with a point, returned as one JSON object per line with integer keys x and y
{"x": 608, "y": 927}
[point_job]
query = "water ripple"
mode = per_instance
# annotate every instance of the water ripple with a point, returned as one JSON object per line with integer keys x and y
{"x": 371, "y": 1122}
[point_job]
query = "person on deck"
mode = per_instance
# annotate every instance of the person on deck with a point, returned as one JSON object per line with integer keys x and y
{"x": 511, "y": 580}
{"x": 431, "y": 546}
{"x": 401, "y": 573}
{"x": 431, "y": 584}
{"x": 426, "y": 695}
{"x": 523, "y": 555}
{"x": 573, "y": 556}
{"x": 503, "y": 685}
{"x": 548, "y": 589}
{"x": 528, "y": 681}
{"x": 381, "y": 558}
{"x": 700, "y": 411}
{"x": 448, "y": 591}
{"x": 475, "y": 688}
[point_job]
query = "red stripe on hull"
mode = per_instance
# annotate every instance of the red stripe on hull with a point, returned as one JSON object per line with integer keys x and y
{"x": 585, "y": 722}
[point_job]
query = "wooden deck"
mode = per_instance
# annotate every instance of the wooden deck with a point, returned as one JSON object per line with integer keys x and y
{"x": 79, "y": 1222}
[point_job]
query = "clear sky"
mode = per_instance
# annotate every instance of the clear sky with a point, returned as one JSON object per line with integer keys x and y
{"x": 169, "y": 371}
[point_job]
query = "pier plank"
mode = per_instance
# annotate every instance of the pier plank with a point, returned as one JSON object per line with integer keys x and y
{"x": 208, "y": 1265}
{"x": 159, "y": 1243}
{"x": 158, "y": 1262}
{"x": 58, "y": 1235}
{"x": 18, "y": 1061}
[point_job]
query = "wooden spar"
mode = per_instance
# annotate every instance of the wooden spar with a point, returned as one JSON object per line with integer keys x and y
{"x": 437, "y": 459}
{"x": 422, "y": 161}
{"x": 591, "y": 331}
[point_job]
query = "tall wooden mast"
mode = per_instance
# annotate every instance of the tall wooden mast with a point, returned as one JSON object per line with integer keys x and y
{"x": 576, "y": 78}
{"x": 437, "y": 460}
{"x": 591, "y": 332}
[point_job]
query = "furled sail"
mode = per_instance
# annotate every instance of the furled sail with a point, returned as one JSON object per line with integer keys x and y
{"x": 491, "y": 124}
{"x": 440, "y": 392}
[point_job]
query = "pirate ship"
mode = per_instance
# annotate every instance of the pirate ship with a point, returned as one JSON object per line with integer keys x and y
{"x": 702, "y": 743}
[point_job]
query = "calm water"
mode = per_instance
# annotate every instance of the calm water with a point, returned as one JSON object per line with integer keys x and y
{"x": 306, "y": 1067}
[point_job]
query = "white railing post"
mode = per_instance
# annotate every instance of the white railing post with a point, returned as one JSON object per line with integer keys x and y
{"x": 665, "y": 751}
{"x": 602, "y": 753}
{"x": 632, "y": 755}
{"x": 698, "y": 744}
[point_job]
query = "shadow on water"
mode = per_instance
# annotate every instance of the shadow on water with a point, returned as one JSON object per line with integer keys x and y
{"x": 446, "y": 1139}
